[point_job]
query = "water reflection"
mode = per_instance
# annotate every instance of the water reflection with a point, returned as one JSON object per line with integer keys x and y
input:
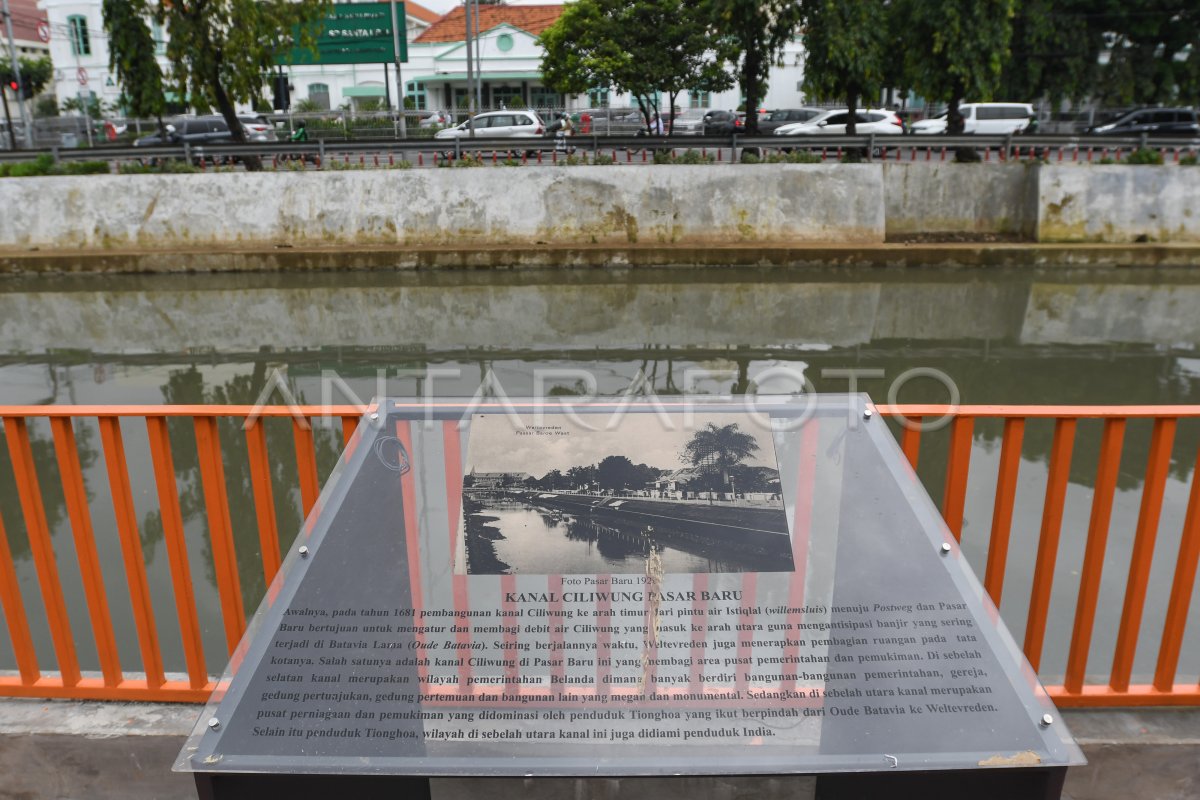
{"x": 1059, "y": 336}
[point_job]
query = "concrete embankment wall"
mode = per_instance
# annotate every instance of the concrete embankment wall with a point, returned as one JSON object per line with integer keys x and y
{"x": 667, "y": 205}
{"x": 585, "y": 205}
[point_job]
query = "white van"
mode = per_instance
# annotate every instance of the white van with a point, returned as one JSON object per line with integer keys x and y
{"x": 983, "y": 118}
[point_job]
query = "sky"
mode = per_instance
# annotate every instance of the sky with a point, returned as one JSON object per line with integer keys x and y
{"x": 496, "y": 446}
{"x": 442, "y": 6}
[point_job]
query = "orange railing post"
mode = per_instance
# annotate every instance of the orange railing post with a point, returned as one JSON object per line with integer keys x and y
{"x": 1047, "y": 552}
{"x": 30, "y": 495}
{"x": 1181, "y": 589}
{"x": 264, "y": 497}
{"x": 220, "y": 529}
{"x": 1006, "y": 492}
{"x": 1157, "y": 465}
{"x": 957, "y": 464}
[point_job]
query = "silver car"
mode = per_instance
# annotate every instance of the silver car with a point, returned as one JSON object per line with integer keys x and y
{"x": 690, "y": 122}
{"x": 499, "y": 125}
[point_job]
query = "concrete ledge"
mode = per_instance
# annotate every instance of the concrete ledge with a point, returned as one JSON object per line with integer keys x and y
{"x": 313, "y": 259}
{"x": 1114, "y": 203}
{"x": 67, "y": 749}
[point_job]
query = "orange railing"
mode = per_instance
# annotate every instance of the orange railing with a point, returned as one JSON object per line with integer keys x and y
{"x": 119, "y": 681}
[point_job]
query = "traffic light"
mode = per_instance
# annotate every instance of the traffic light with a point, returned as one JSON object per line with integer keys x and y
{"x": 280, "y": 90}
{"x": 13, "y": 86}
{"x": 26, "y": 88}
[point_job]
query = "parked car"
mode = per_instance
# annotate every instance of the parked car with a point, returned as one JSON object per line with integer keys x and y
{"x": 688, "y": 123}
{"x": 211, "y": 129}
{"x": 499, "y": 124}
{"x": 773, "y": 120}
{"x": 982, "y": 118}
{"x": 834, "y": 121}
{"x": 724, "y": 123}
{"x": 1152, "y": 122}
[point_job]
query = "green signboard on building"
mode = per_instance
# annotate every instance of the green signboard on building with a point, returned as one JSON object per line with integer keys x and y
{"x": 355, "y": 33}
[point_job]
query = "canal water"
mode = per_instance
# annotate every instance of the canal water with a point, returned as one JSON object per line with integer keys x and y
{"x": 994, "y": 335}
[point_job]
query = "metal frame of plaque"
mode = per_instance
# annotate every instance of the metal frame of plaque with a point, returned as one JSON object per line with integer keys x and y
{"x": 629, "y": 587}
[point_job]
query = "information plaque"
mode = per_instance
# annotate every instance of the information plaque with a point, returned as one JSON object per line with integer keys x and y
{"x": 636, "y": 587}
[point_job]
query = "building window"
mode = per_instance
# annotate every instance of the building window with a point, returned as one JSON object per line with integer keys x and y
{"x": 505, "y": 42}
{"x": 415, "y": 92}
{"x": 598, "y": 98}
{"x": 544, "y": 99}
{"x": 156, "y": 33}
{"x": 81, "y": 45}
{"x": 507, "y": 97}
{"x": 318, "y": 93}
{"x": 699, "y": 99}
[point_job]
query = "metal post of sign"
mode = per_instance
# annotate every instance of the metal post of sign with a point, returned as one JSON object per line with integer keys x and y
{"x": 470, "y": 69}
{"x": 478, "y": 59}
{"x": 16, "y": 69}
{"x": 400, "y": 93}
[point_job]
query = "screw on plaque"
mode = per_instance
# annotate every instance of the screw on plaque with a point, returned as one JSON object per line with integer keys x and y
{"x": 214, "y": 723}
{"x": 303, "y": 551}
{"x": 374, "y": 416}
{"x": 946, "y": 548}
{"x": 868, "y": 413}
{"x": 1047, "y": 720}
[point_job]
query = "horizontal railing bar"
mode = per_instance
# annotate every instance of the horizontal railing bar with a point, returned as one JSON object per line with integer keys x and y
{"x": 894, "y": 410}
{"x": 337, "y": 143}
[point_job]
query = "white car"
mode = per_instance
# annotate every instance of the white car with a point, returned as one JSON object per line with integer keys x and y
{"x": 690, "y": 122}
{"x": 833, "y": 122}
{"x": 499, "y": 124}
{"x": 983, "y": 118}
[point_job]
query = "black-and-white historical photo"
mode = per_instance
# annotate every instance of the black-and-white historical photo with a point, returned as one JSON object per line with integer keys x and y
{"x": 559, "y": 498}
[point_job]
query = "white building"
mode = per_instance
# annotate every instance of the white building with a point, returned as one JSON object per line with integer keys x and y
{"x": 434, "y": 77}
{"x": 29, "y": 26}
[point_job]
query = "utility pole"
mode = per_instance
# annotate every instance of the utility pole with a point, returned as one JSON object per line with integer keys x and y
{"x": 470, "y": 69}
{"x": 397, "y": 32}
{"x": 478, "y": 59}
{"x": 16, "y": 69}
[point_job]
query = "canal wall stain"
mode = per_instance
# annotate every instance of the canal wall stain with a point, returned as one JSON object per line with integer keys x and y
{"x": 678, "y": 206}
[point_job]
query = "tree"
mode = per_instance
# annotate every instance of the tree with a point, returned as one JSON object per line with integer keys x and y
{"x": 639, "y": 48}
{"x": 1154, "y": 53}
{"x": 219, "y": 52}
{"x": 1055, "y": 50}
{"x": 717, "y": 449}
{"x": 845, "y": 46}
{"x": 131, "y": 55}
{"x": 36, "y": 73}
{"x": 616, "y": 472}
{"x": 751, "y": 34}
{"x": 963, "y": 47}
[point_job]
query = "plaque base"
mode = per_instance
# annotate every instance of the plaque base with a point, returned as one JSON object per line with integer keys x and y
{"x": 254, "y": 786}
{"x": 1042, "y": 783}
{"x": 1007, "y": 784}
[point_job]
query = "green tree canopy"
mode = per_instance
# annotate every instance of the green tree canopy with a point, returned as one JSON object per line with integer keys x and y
{"x": 962, "y": 48}
{"x": 717, "y": 449}
{"x": 131, "y": 55}
{"x": 219, "y": 51}
{"x": 845, "y": 50}
{"x": 1055, "y": 50}
{"x": 639, "y": 48}
{"x": 35, "y": 72}
{"x": 751, "y": 34}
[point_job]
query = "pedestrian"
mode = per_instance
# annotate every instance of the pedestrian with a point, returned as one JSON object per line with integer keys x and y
{"x": 564, "y": 129}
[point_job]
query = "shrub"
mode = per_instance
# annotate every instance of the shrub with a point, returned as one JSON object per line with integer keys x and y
{"x": 852, "y": 155}
{"x": 603, "y": 161}
{"x": 1106, "y": 160}
{"x": 86, "y": 168}
{"x": 1190, "y": 160}
{"x": 403, "y": 163}
{"x": 509, "y": 161}
{"x": 469, "y": 160}
{"x": 1145, "y": 155}
{"x": 750, "y": 158}
{"x": 794, "y": 157}
{"x": 663, "y": 157}
{"x": 42, "y": 165}
{"x": 694, "y": 157}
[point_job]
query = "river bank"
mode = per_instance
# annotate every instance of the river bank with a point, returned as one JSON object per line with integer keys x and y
{"x": 817, "y": 256}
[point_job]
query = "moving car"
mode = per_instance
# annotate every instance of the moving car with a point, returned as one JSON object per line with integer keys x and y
{"x": 499, "y": 124}
{"x": 723, "y": 123}
{"x": 1152, "y": 122}
{"x": 785, "y": 116}
{"x": 834, "y": 121}
{"x": 210, "y": 129}
{"x": 606, "y": 121}
{"x": 982, "y": 118}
